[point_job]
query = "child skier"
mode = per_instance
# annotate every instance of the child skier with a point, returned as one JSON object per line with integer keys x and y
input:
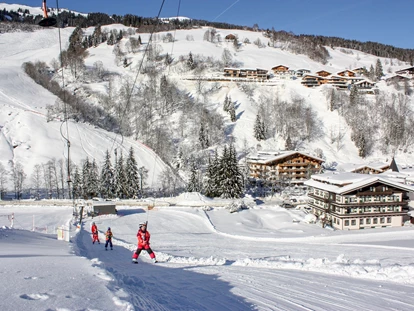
{"x": 95, "y": 237}
{"x": 143, "y": 243}
{"x": 108, "y": 235}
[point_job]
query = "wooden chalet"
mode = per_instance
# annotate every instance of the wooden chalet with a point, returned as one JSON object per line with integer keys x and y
{"x": 346, "y": 73}
{"x": 323, "y": 73}
{"x": 248, "y": 73}
{"x": 283, "y": 167}
{"x": 406, "y": 71}
{"x": 312, "y": 80}
{"x": 280, "y": 69}
{"x": 359, "y": 70}
{"x": 339, "y": 82}
{"x": 397, "y": 79}
{"x": 364, "y": 86}
{"x": 302, "y": 72}
{"x": 350, "y": 201}
{"x": 230, "y": 37}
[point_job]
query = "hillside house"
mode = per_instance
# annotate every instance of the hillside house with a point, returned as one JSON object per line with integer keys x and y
{"x": 339, "y": 82}
{"x": 323, "y": 73}
{"x": 365, "y": 86}
{"x": 407, "y": 71}
{"x": 353, "y": 80}
{"x": 230, "y": 37}
{"x": 283, "y": 167}
{"x": 280, "y": 69}
{"x": 248, "y": 73}
{"x": 350, "y": 201}
{"x": 359, "y": 71}
{"x": 312, "y": 80}
{"x": 302, "y": 72}
{"x": 370, "y": 168}
{"x": 397, "y": 79}
{"x": 346, "y": 73}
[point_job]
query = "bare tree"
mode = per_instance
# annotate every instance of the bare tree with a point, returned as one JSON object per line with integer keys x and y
{"x": 37, "y": 179}
{"x": 18, "y": 176}
{"x": 3, "y": 180}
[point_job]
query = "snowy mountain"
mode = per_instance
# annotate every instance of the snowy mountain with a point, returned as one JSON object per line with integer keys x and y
{"x": 28, "y": 138}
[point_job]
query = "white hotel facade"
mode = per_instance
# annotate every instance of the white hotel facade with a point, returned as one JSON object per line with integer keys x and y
{"x": 352, "y": 201}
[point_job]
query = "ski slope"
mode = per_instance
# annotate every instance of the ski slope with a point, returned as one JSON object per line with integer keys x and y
{"x": 257, "y": 259}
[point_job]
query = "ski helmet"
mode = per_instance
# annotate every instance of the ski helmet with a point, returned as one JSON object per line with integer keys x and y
{"x": 93, "y": 223}
{"x": 109, "y": 228}
{"x": 142, "y": 224}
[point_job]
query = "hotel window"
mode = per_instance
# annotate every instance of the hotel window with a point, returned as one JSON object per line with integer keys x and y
{"x": 368, "y": 221}
{"x": 375, "y": 221}
{"x": 382, "y": 220}
{"x": 388, "y": 220}
{"x": 361, "y": 221}
{"x": 353, "y": 222}
{"x": 346, "y": 222}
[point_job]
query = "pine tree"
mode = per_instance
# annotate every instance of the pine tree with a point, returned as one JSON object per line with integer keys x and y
{"x": 259, "y": 129}
{"x": 132, "y": 175}
{"x": 120, "y": 178}
{"x": 353, "y": 96}
{"x": 190, "y": 62}
{"x": 231, "y": 180}
{"x": 288, "y": 144}
{"x": 107, "y": 177}
{"x": 93, "y": 180}
{"x": 371, "y": 73}
{"x": 378, "y": 70}
{"x": 332, "y": 100}
{"x": 193, "y": 184}
{"x": 97, "y": 36}
{"x": 77, "y": 185}
{"x": 227, "y": 103}
{"x": 232, "y": 112}
{"x": 202, "y": 137}
{"x": 208, "y": 181}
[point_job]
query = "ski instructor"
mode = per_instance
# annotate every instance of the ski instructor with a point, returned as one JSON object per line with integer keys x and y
{"x": 143, "y": 243}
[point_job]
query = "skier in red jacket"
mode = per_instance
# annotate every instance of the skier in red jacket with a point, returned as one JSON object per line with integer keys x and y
{"x": 95, "y": 237}
{"x": 143, "y": 243}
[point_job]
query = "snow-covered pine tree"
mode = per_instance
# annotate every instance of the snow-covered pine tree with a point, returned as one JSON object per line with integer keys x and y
{"x": 232, "y": 112}
{"x": 193, "y": 184}
{"x": 77, "y": 190}
{"x": 227, "y": 103}
{"x": 120, "y": 177}
{"x": 107, "y": 177}
{"x": 202, "y": 137}
{"x": 208, "y": 180}
{"x": 379, "y": 73}
{"x": 259, "y": 129}
{"x": 190, "y": 62}
{"x": 353, "y": 96}
{"x": 132, "y": 175}
{"x": 231, "y": 185}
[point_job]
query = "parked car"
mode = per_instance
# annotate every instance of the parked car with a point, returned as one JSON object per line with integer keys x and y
{"x": 287, "y": 205}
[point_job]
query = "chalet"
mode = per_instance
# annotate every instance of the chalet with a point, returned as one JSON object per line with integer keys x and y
{"x": 248, "y": 73}
{"x": 230, "y": 37}
{"x": 339, "y": 82}
{"x": 312, "y": 81}
{"x": 323, "y": 73}
{"x": 353, "y": 80}
{"x": 365, "y": 86}
{"x": 284, "y": 166}
{"x": 397, "y": 79}
{"x": 280, "y": 69}
{"x": 302, "y": 72}
{"x": 346, "y": 73}
{"x": 350, "y": 201}
{"x": 359, "y": 70}
{"x": 407, "y": 71}
{"x": 370, "y": 168}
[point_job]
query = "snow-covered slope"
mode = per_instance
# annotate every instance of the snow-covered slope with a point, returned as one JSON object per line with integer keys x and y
{"x": 26, "y": 137}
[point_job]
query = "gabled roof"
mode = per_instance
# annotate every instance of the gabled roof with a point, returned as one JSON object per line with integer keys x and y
{"x": 402, "y": 70}
{"x": 265, "y": 157}
{"x": 393, "y": 165}
{"x": 397, "y": 76}
{"x": 347, "y": 182}
{"x": 280, "y": 66}
{"x": 363, "y": 81}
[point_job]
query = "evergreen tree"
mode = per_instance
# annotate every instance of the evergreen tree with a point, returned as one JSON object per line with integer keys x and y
{"x": 209, "y": 189}
{"x": 227, "y": 104}
{"x": 371, "y": 73}
{"x": 132, "y": 175}
{"x": 288, "y": 144}
{"x": 77, "y": 185}
{"x": 120, "y": 178}
{"x": 97, "y": 36}
{"x": 332, "y": 100}
{"x": 231, "y": 180}
{"x": 259, "y": 129}
{"x": 190, "y": 62}
{"x": 202, "y": 137}
{"x": 107, "y": 177}
{"x": 193, "y": 184}
{"x": 232, "y": 112}
{"x": 378, "y": 70}
{"x": 353, "y": 96}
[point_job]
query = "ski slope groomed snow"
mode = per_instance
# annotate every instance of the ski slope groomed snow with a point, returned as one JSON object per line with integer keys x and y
{"x": 263, "y": 258}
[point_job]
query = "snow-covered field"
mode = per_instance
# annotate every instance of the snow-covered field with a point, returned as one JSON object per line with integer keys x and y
{"x": 263, "y": 258}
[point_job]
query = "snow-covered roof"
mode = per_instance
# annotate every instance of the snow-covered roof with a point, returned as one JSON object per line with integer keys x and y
{"x": 264, "y": 157}
{"x": 341, "y": 183}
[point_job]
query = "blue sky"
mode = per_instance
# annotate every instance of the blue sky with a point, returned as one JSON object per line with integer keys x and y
{"x": 384, "y": 21}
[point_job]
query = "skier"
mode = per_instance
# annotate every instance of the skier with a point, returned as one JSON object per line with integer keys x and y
{"x": 108, "y": 235}
{"x": 143, "y": 243}
{"x": 95, "y": 237}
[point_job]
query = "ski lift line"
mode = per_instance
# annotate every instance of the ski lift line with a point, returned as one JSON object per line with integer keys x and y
{"x": 226, "y": 10}
{"x": 136, "y": 76}
{"x": 175, "y": 32}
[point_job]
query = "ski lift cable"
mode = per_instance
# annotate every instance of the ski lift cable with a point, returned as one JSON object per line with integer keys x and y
{"x": 129, "y": 95}
{"x": 175, "y": 32}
